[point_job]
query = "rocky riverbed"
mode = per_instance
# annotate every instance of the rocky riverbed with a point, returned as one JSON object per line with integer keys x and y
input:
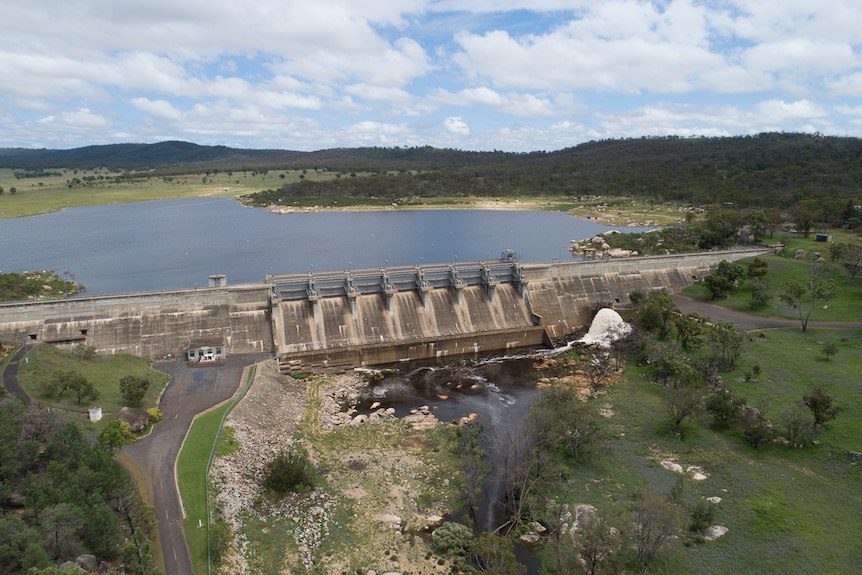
{"x": 380, "y": 488}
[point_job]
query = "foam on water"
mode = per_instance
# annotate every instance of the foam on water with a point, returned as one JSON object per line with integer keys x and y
{"x": 607, "y": 327}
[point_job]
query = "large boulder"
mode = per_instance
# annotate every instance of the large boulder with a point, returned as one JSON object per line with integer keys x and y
{"x": 88, "y": 562}
{"x": 136, "y": 419}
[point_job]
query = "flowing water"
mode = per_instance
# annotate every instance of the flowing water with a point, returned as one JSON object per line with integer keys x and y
{"x": 495, "y": 391}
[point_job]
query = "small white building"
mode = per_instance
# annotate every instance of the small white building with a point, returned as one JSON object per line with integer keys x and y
{"x": 206, "y": 352}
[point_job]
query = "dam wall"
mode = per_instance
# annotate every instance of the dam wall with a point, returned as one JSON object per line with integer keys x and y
{"x": 374, "y": 328}
{"x": 366, "y": 317}
{"x": 566, "y": 295}
{"x": 151, "y": 325}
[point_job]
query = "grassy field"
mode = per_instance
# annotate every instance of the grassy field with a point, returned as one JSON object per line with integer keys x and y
{"x": 844, "y": 307}
{"x": 789, "y": 510}
{"x": 52, "y": 193}
{"x": 104, "y": 372}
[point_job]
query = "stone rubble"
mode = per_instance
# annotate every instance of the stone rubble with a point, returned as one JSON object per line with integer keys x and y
{"x": 263, "y": 425}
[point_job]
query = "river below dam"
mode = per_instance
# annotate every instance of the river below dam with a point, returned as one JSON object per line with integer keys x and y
{"x": 176, "y": 244}
{"x": 495, "y": 391}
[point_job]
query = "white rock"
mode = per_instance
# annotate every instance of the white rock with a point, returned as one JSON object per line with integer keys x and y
{"x": 714, "y": 500}
{"x": 538, "y": 527}
{"x": 671, "y": 466}
{"x": 714, "y": 532}
{"x": 387, "y": 518}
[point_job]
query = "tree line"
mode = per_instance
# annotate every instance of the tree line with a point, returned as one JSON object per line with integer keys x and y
{"x": 765, "y": 171}
{"x": 771, "y": 170}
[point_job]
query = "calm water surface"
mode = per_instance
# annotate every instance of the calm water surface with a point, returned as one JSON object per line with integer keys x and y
{"x": 172, "y": 244}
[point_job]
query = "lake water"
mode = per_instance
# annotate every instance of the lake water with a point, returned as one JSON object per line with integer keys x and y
{"x": 174, "y": 244}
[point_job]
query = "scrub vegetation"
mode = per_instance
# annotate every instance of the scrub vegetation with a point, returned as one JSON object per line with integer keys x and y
{"x": 62, "y": 495}
{"x": 45, "y": 284}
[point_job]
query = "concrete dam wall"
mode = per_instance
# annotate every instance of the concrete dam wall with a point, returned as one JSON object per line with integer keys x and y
{"x": 146, "y": 324}
{"x": 366, "y": 317}
{"x": 370, "y": 330}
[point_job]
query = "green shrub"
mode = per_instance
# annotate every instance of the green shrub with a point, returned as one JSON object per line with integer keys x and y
{"x": 156, "y": 414}
{"x": 702, "y": 515}
{"x": 290, "y": 471}
{"x": 452, "y": 539}
{"x": 133, "y": 388}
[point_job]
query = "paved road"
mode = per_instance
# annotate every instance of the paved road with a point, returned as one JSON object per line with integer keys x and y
{"x": 10, "y": 376}
{"x": 748, "y": 322}
{"x": 192, "y": 390}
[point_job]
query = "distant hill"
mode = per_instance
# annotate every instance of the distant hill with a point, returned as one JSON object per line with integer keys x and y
{"x": 767, "y": 170}
{"x": 174, "y": 154}
{"x": 136, "y": 156}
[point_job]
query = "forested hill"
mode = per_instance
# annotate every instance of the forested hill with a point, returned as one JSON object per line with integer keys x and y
{"x": 179, "y": 156}
{"x": 765, "y": 170}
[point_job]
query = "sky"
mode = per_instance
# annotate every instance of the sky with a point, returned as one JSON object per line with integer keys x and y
{"x": 512, "y": 75}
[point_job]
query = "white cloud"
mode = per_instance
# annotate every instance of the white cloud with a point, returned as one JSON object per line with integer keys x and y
{"x": 455, "y": 125}
{"x": 779, "y": 111}
{"x": 505, "y": 74}
{"x": 159, "y": 108}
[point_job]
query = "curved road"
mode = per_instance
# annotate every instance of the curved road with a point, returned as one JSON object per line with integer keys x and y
{"x": 192, "y": 390}
{"x": 10, "y": 376}
{"x": 748, "y": 322}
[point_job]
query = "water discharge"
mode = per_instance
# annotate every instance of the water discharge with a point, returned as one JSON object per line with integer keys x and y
{"x": 607, "y": 327}
{"x": 495, "y": 391}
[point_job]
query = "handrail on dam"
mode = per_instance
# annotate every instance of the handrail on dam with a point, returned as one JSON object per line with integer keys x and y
{"x": 389, "y": 280}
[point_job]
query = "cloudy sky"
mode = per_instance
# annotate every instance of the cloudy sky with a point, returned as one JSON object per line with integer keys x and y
{"x": 515, "y": 75}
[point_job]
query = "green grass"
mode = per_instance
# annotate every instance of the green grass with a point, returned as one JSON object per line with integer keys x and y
{"x": 788, "y": 510}
{"x": 268, "y": 542}
{"x": 844, "y": 307}
{"x": 51, "y": 194}
{"x": 104, "y": 372}
{"x": 192, "y": 467}
{"x": 191, "y": 477}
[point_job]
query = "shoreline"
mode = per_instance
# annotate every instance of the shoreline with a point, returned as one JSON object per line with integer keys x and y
{"x": 613, "y": 216}
{"x": 606, "y": 220}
